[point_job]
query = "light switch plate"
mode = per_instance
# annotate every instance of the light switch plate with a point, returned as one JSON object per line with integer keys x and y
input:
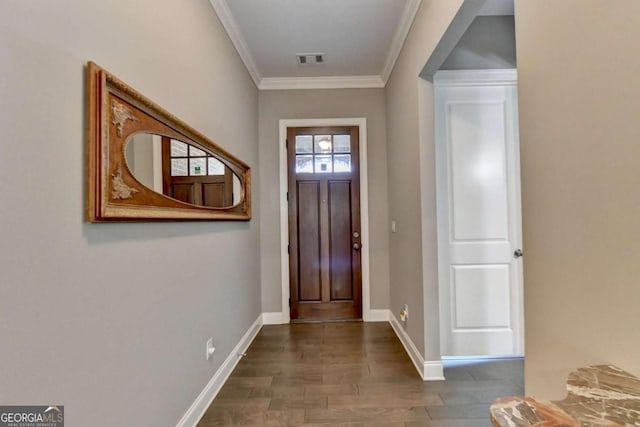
{"x": 210, "y": 348}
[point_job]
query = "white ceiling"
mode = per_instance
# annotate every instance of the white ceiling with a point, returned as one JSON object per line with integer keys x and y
{"x": 360, "y": 39}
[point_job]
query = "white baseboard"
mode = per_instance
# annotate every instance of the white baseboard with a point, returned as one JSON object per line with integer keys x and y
{"x": 462, "y": 359}
{"x": 202, "y": 402}
{"x": 275, "y": 318}
{"x": 429, "y": 370}
{"x": 433, "y": 370}
{"x": 376, "y": 315}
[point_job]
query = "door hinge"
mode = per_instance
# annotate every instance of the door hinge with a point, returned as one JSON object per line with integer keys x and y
{"x": 287, "y": 196}
{"x": 286, "y": 144}
{"x": 289, "y": 249}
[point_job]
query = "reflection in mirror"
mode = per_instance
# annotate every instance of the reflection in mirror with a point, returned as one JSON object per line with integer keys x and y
{"x": 182, "y": 171}
{"x": 143, "y": 153}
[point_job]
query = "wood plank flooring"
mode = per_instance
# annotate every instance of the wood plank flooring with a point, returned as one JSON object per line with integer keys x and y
{"x": 352, "y": 374}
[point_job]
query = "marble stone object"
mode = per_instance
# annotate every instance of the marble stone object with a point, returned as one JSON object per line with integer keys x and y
{"x": 598, "y": 396}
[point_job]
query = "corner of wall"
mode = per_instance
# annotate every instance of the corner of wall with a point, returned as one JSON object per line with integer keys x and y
{"x": 429, "y": 370}
{"x": 275, "y": 318}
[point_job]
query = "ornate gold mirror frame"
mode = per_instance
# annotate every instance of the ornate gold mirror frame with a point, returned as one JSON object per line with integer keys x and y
{"x": 195, "y": 178}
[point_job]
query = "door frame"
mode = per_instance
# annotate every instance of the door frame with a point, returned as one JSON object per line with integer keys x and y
{"x": 368, "y": 315}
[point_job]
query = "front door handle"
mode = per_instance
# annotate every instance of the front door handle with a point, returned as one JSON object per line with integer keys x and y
{"x": 517, "y": 253}
{"x": 356, "y": 246}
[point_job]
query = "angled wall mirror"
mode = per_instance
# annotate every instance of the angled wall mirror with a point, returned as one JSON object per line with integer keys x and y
{"x": 146, "y": 164}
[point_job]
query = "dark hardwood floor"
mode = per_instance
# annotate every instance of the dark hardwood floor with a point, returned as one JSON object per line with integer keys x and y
{"x": 353, "y": 374}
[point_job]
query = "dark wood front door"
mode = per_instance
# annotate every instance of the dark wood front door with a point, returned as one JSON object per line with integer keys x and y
{"x": 324, "y": 223}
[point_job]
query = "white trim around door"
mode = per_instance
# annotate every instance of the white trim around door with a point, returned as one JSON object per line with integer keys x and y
{"x": 368, "y": 315}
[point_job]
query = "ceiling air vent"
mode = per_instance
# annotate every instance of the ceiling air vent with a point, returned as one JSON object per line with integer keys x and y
{"x": 310, "y": 58}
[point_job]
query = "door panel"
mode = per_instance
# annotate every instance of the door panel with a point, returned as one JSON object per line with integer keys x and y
{"x": 213, "y": 194}
{"x": 212, "y": 191}
{"x": 340, "y": 240}
{"x": 478, "y": 171}
{"x": 183, "y": 192}
{"x": 480, "y": 296}
{"x": 324, "y": 224}
{"x": 478, "y": 219}
{"x": 309, "y": 240}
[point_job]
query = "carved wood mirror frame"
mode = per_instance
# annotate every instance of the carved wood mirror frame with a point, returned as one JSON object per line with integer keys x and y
{"x": 115, "y": 112}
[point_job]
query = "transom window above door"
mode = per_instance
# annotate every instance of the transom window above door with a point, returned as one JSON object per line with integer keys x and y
{"x": 323, "y": 153}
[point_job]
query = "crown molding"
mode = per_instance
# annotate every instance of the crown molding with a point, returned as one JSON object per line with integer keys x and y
{"x": 330, "y": 82}
{"x": 229, "y": 23}
{"x": 409, "y": 14}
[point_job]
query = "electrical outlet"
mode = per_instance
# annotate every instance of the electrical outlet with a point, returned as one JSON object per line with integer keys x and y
{"x": 404, "y": 313}
{"x": 210, "y": 348}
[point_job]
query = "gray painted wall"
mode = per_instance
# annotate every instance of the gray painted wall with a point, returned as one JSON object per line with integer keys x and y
{"x": 413, "y": 266}
{"x": 488, "y": 43}
{"x": 111, "y": 320}
{"x": 318, "y": 104}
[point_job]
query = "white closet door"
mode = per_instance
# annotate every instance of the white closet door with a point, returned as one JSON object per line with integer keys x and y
{"x": 479, "y": 219}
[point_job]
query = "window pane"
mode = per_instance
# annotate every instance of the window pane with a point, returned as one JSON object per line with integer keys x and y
{"x": 304, "y": 144}
{"x": 197, "y": 166}
{"x": 179, "y": 167}
{"x": 178, "y": 149}
{"x": 196, "y": 152}
{"x": 216, "y": 167}
{"x": 341, "y": 143}
{"x": 323, "y": 164}
{"x": 304, "y": 164}
{"x": 342, "y": 163}
{"x": 322, "y": 143}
